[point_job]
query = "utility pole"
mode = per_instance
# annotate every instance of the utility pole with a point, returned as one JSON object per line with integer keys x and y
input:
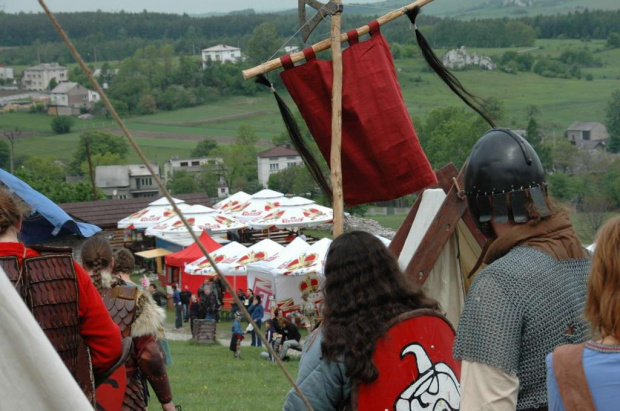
{"x": 90, "y": 169}
{"x": 11, "y": 135}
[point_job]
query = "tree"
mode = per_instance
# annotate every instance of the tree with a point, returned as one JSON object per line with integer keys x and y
{"x": 613, "y": 122}
{"x": 535, "y": 139}
{"x": 182, "y": 182}
{"x": 263, "y": 43}
{"x": 238, "y": 168}
{"x": 280, "y": 139}
{"x": 62, "y": 124}
{"x": 53, "y": 83}
{"x": 613, "y": 41}
{"x": 5, "y": 155}
{"x": 101, "y": 143}
{"x": 105, "y": 159}
{"x": 294, "y": 180}
{"x": 146, "y": 105}
{"x": 204, "y": 148}
{"x": 246, "y": 135}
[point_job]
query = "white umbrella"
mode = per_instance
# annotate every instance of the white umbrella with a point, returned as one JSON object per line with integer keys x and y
{"x": 155, "y": 212}
{"x": 201, "y": 218}
{"x": 311, "y": 260}
{"x": 225, "y": 255}
{"x": 231, "y": 202}
{"x": 261, "y": 202}
{"x": 295, "y": 212}
{"x": 260, "y": 251}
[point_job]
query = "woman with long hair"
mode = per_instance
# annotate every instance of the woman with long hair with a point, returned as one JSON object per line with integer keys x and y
{"x": 363, "y": 290}
{"x": 138, "y": 317}
{"x": 588, "y": 373}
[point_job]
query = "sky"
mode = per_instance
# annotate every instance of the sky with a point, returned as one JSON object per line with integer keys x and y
{"x": 178, "y": 6}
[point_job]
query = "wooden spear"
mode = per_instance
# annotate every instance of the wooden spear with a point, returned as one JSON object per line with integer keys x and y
{"x": 336, "y": 148}
{"x": 327, "y": 43}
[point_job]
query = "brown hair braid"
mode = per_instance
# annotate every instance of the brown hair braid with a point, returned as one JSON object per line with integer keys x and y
{"x": 96, "y": 256}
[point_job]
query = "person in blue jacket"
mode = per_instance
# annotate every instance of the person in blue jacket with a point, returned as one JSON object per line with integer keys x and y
{"x": 237, "y": 336}
{"x": 257, "y": 312}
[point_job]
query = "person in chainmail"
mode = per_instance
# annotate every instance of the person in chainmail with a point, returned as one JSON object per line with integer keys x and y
{"x": 531, "y": 296}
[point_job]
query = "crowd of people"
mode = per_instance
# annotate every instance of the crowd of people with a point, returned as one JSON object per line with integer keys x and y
{"x": 540, "y": 329}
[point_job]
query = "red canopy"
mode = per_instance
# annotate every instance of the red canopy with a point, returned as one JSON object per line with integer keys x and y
{"x": 192, "y": 253}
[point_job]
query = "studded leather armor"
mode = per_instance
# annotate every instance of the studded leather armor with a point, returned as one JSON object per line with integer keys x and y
{"x": 48, "y": 286}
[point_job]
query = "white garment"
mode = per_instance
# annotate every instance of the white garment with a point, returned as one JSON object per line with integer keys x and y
{"x": 39, "y": 380}
{"x": 486, "y": 388}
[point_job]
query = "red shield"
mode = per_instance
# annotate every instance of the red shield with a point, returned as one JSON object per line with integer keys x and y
{"x": 110, "y": 392}
{"x": 416, "y": 368}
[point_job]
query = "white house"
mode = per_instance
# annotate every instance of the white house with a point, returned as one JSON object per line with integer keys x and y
{"x": 6, "y": 73}
{"x": 291, "y": 49}
{"x": 196, "y": 165}
{"x": 221, "y": 53}
{"x": 276, "y": 159}
{"x": 93, "y": 97}
{"x": 588, "y": 134}
{"x": 39, "y": 77}
{"x": 126, "y": 181}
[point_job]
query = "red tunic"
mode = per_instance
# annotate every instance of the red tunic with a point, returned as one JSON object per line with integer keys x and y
{"x": 96, "y": 327}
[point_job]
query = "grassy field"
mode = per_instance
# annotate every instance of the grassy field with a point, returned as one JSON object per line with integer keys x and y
{"x": 209, "y": 378}
{"x": 174, "y": 133}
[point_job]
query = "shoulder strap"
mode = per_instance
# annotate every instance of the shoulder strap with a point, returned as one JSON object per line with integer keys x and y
{"x": 571, "y": 378}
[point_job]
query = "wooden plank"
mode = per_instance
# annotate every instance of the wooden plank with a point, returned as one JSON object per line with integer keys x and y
{"x": 336, "y": 143}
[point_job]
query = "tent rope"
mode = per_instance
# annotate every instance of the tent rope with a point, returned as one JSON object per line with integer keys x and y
{"x": 78, "y": 58}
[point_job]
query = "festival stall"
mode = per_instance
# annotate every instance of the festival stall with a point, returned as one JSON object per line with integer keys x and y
{"x": 231, "y": 202}
{"x": 175, "y": 263}
{"x": 285, "y": 282}
{"x": 262, "y": 276}
{"x": 231, "y": 252}
{"x": 260, "y": 203}
{"x": 156, "y": 212}
{"x": 296, "y": 212}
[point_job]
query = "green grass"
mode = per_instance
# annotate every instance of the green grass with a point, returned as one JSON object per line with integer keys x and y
{"x": 209, "y": 378}
{"x": 560, "y": 101}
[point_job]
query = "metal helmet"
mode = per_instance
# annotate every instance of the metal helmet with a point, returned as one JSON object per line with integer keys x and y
{"x": 503, "y": 176}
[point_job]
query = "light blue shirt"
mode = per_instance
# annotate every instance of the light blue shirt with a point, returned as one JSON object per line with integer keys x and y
{"x": 602, "y": 367}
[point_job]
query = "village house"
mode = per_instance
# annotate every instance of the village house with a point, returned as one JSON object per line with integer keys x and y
{"x": 68, "y": 98}
{"x": 221, "y": 53}
{"x": 588, "y": 134}
{"x": 119, "y": 182}
{"x": 39, "y": 77}
{"x": 6, "y": 73}
{"x": 274, "y": 160}
{"x": 197, "y": 165}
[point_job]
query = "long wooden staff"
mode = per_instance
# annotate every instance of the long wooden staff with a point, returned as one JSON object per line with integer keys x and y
{"x": 336, "y": 148}
{"x": 78, "y": 58}
{"x": 327, "y": 43}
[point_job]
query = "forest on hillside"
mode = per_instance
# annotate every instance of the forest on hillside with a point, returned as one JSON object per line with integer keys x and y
{"x": 115, "y": 36}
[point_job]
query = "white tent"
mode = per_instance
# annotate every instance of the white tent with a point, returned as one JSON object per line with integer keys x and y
{"x": 294, "y": 212}
{"x": 260, "y": 203}
{"x": 262, "y": 275}
{"x": 228, "y": 254}
{"x": 231, "y": 202}
{"x": 35, "y": 376}
{"x": 201, "y": 219}
{"x": 287, "y": 280}
{"x": 156, "y": 212}
{"x": 258, "y": 252}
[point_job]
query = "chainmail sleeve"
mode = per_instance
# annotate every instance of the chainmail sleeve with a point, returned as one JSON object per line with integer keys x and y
{"x": 489, "y": 331}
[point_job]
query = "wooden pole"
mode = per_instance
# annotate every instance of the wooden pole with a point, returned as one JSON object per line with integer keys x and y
{"x": 336, "y": 148}
{"x": 327, "y": 43}
{"x": 90, "y": 169}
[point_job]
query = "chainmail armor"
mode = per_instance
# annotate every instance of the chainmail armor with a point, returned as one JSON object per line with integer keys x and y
{"x": 518, "y": 310}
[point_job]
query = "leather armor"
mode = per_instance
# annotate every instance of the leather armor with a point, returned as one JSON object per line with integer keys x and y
{"x": 48, "y": 286}
{"x": 146, "y": 360}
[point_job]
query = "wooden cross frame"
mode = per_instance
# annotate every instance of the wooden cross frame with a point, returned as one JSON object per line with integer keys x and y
{"x": 453, "y": 208}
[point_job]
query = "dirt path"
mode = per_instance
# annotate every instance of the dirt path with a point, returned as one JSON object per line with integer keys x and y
{"x": 188, "y": 137}
{"x": 213, "y": 119}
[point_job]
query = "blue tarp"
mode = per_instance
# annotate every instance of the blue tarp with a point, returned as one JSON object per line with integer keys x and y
{"x": 47, "y": 220}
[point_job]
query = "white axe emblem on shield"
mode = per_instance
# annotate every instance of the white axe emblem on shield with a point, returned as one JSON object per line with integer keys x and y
{"x": 436, "y": 387}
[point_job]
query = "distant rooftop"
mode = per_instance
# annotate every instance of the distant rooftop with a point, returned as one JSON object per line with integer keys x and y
{"x": 64, "y": 87}
{"x": 279, "y": 151}
{"x": 584, "y": 125}
{"x": 221, "y": 47}
{"x": 47, "y": 66}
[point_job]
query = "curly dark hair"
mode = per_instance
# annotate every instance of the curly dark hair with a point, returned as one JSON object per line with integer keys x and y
{"x": 123, "y": 261}
{"x": 364, "y": 289}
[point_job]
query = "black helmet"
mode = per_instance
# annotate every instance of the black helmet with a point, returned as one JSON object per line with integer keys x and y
{"x": 503, "y": 175}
